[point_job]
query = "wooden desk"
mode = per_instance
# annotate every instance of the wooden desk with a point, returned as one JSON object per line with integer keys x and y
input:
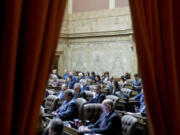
{"x": 105, "y": 92}
{"x": 71, "y": 131}
{"x": 55, "y": 88}
{"x": 141, "y": 120}
{"x": 127, "y": 101}
{"x": 126, "y": 105}
{"x": 134, "y": 93}
{"x": 141, "y": 127}
{"x": 128, "y": 86}
{"x": 121, "y": 113}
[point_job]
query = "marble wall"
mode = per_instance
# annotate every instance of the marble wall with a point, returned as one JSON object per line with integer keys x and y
{"x": 111, "y": 20}
{"x": 89, "y": 5}
{"x": 98, "y": 41}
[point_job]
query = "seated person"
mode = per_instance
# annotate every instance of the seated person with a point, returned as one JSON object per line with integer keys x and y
{"x": 71, "y": 80}
{"x": 139, "y": 97}
{"x": 102, "y": 85}
{"x": 109, "y": 122}
{"x": 142, "y": 108}
{"x": 78, "y": 93}
{"x": 87, "y": 75}
{"x": 99, "y": 97}
{"x": 65, "y": 75}
{"x": 122, "y": 82}
{"x": 97, "y": 79}
{"x": 54, "y": 81}
{"x": 79, "y": 77}
{"x": 84, "y": 85}
{"x": 115, "y": 87}
{"x": 137, "y": 83}
{"x": 55, "y": 127}
{"x": 117, "y": 90}
{"x": 92, "y": 76}
{"x": 127, "y": 76}
{"x": 68, "y": 109}
{"x": 109, "y": 83}
{"x": 54, "y": 72}
{"x": 60, "y": 94}
{"x": 106, "y": 77}
{"x": 105, "y": 88}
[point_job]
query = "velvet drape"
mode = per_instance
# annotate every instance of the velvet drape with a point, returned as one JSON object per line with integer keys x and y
{"x": 156, "y": 25}
{"x": 29, "y": 31}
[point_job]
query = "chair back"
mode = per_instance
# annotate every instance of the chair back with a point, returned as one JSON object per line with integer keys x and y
{"x": 105, "y": 91}
{"x": 126, "y": 92}
{"x": 128, "y": 124}
{"x": 89, "y": 95}
{"x": 113, "y": 98}
{"x": 51, "y": 102}
{"x": 92, "y": 112}
{"x": 80, "y": 103}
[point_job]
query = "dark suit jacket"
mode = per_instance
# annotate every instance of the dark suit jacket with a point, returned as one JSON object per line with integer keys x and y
{"x": 111, "y": 125}
{"x": 86, "y": 87}
{"x": 98, "y": 99}
{"x": 68, "y": 110}
{"x": 71, "y": 84}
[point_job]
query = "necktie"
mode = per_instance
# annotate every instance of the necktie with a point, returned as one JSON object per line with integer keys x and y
{"x": 104, "y": 119}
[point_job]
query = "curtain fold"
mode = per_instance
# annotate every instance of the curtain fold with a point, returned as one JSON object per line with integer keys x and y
{"x": 156, "y": 27}
{"x": 29, "y": 32}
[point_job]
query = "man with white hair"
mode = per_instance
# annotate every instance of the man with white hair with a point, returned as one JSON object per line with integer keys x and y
{"x": 60, "y": 94}
{"x": 54, "y": 72}
{"x": 99, "y": 97}
{"x": 84, "y": 85}
{"x": 80, "y": 77}
{"x": 109, "y": 122}
{"x": 78, "y": 93}
{"x": 54, "y": 81}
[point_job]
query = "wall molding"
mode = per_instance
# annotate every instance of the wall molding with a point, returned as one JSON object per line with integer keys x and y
{"x": 97, "y": 34}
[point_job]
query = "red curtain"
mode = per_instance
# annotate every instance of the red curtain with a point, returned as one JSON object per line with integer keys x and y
{"x": 156, "y": 26}
{"x": 29, "y": 30}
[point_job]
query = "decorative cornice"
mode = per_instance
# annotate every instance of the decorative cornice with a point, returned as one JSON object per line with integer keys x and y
{"x": 97, "y": 34}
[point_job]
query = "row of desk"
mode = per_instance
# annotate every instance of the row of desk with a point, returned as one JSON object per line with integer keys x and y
{"x": 141, "y": 121}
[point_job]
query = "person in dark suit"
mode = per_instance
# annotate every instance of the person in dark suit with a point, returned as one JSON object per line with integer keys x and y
{"x": 55, "y": 127}
{"x": 92, "y": 76}
{"x": 98, "y": 80}
{"x": 99, "y": 95}
{"x": 68, "y": 109}
{"x": 60, "y": 94}
{"x": 142, "y": 108}
{"x": 54, "y": 72}
{"x": 84, "y": 85}
{"x": 71, "y": 80}
{"x": 109, "y": 122}
{"x": 65, "y": 76}
{"x": 137, "y": 83}
{"x": 78, "y": 93}
{"x": 106, "y": 77}
{"x": 139, "y": 97}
